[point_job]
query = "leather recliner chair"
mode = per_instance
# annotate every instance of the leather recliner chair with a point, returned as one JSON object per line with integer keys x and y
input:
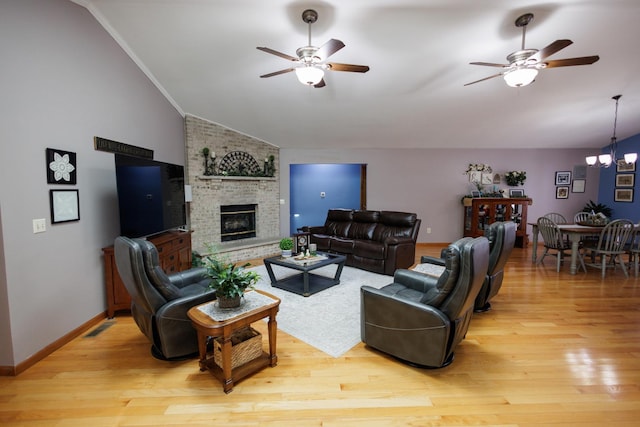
{"x": 159, "y": 302}
{"x": 420, "y": 319}
{"x": 502, "y": 239}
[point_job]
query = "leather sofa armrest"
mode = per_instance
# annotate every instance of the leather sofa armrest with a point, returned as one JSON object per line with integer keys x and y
{"x": 398, "y": 240}
{"x": 415, "y": 280}
{"x": 187, "y": 277}
{"x": 425, "y": 259}
{"x": 177, "y": 308}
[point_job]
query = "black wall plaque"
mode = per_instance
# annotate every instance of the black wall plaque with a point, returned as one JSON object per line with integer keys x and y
{"x": 102, "y": 144}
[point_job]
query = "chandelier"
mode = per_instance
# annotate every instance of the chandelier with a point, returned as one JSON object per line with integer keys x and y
{"x": 606, "y": 160}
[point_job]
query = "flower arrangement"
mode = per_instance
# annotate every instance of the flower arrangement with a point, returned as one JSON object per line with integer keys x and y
{"x": 478, "y": 167}
{"x": 515, "y": 178}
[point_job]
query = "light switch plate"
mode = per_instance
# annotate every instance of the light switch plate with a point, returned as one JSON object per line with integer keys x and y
{"x": 39, "y": 225}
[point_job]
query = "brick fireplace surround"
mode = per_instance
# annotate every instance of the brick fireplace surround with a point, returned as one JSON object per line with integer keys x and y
{"x": 210, "y": 192}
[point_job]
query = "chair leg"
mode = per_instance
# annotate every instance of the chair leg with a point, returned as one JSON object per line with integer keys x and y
{"x": 604, "y": 265}
{"x": 622, "y": 265}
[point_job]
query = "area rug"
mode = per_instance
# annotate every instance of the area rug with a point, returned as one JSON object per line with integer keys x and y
{"x": 328, "y": 320}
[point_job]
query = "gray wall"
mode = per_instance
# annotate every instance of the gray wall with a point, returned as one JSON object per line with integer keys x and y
{"x": 431, "y": 182}
{"x": 64, "y": 81}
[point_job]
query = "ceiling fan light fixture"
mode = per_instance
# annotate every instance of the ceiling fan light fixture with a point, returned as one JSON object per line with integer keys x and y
{"x": 309, "y": 75}
{"x": 520, "y": 77}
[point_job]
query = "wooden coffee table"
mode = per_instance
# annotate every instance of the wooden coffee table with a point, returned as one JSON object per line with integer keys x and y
{"x": 210, "y": 321}
{"x": 305, "y": 283}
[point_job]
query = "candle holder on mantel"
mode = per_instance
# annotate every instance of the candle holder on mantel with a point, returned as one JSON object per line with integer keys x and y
{"x": 209, "y": 161}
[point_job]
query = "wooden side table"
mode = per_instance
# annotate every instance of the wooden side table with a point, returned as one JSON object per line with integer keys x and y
{"x": 210, "y": 321}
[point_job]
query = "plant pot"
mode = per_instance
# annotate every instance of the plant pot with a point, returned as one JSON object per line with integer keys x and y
{"x": 228, "y": 302}
{"x": 286, "y": 253}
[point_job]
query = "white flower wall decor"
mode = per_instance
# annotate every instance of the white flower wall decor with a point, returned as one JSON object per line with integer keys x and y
{"x": 61, "y": 167}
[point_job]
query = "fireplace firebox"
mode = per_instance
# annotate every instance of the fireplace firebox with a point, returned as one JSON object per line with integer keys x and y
{"x": 237, "y": 222}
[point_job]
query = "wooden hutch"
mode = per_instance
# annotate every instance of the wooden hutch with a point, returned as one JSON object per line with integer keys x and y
{"x": 479, "y": 212}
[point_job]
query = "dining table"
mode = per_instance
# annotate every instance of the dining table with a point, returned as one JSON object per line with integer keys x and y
{"x": 575, "y": 233}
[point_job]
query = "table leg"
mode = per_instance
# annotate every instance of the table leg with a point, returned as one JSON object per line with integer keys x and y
{"x": 534, "y": 252}
{"x": 202, "y": 351}
{"x": 575, "y": 247}
{"x": 305, "y": 282}
{"x": 272, "y": 326}
{"x": 226, "y": 364}
{"x": 272, "y": 277}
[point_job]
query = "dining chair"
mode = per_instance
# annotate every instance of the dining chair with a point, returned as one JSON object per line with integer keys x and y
{"x": 556, "y": 217}
{"x": 581, "y": 217}
{"x": 555, "y": 241}
{"x": 633, "y": 250}
{"x": 611, "y": 246}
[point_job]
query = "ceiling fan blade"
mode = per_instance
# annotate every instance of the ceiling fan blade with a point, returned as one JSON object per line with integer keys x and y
{"x": 490, "y": 64}
{"x": 334, "y": 66}
{"x": 584, "y": 60}
{"x": 328, "y": 49}
{"x": 276, "y": 73}
{"x": 276, "y": 53}
{"x": 320, "y": 84}
{"x": 549, "y": 50}
{"x": 486, "y": 78}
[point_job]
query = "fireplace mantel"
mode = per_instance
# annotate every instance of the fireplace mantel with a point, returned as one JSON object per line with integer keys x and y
{"x": 235, "y": 178}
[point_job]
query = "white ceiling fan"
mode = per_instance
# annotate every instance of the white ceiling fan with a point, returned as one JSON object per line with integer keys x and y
{"x": 524, "y": 64}
{"x": 311, "y": 62}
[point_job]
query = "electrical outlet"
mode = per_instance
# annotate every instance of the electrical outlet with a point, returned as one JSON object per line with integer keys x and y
{"x": 323, "y": 194}
{"x": 39, "y": 225}
{"x": 428, "y": 230}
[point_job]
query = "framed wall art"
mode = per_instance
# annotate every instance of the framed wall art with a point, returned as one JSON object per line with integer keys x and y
{"x": 577, "y": 185}
{"x": 625, "y": 180}
{"x": 623, "y": 195}
{"x": 563, "y": 178}
{"x": 64, "y": 205}
{"x": 61, "y": 166}
{"x": 516, "y": 192}
{"x": 562, "y": 192}
{"x": 622, "y": 166}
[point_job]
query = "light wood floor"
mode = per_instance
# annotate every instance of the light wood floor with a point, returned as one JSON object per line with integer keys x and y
{"x": 555, "y": 350}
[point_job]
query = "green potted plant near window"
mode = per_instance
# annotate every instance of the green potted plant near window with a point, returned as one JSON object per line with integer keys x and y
{"x": 286, "y": 245}
{"x": 229, "y": 280}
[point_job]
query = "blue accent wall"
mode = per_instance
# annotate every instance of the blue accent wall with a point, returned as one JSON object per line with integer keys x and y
{"x": 607, "y": 185}
{"x": 340, "y": 184}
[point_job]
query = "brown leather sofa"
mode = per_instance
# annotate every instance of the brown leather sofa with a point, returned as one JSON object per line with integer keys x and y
{"x": 377, "y": 241}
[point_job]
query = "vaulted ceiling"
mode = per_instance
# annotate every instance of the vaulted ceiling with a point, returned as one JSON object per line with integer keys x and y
{"x": 202, "y": 55}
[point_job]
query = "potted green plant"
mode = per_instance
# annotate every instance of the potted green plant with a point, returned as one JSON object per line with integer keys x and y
{"x": 595, "y": 208}
{"x": 229, "y": 280}
{"x": 286, "y": 245}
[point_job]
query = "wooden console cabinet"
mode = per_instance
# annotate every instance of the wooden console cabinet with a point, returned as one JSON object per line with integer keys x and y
{"x": 174, "y": 251}
{"x": 479, "y": 212}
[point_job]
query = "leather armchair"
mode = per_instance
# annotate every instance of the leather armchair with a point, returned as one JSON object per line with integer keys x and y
{"x": 502, "y": 238}
{"x": 159, "y": 302}
{"x": 420, "y": 319}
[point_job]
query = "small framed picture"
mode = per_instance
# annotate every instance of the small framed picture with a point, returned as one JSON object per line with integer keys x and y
{"x": 475, "y": 193}
{"x": 65, "y": 206}
{"x": 623, "y": 195}
{"x": 625, "y": 180}
{"x": 516, "y": 192}
{"x": 475, "y": 176}
{"x": 577, "y": 186}
{"x": 562, "y": 192}
{"x": 580, "y": 172}
{"x": 622, "y": 166}
{"x": 563, "y": 178}
{"x": 487, "y": 179}
{"x": 496, "y": 178}
{"x": 61, "y": 167}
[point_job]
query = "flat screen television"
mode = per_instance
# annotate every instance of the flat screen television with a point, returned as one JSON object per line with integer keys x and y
{"x": 150, "y": 196}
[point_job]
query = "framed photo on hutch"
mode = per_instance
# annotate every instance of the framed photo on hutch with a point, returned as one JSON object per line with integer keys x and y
{"x": 516, "y": 192}
{"x": 563, "y": 178}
